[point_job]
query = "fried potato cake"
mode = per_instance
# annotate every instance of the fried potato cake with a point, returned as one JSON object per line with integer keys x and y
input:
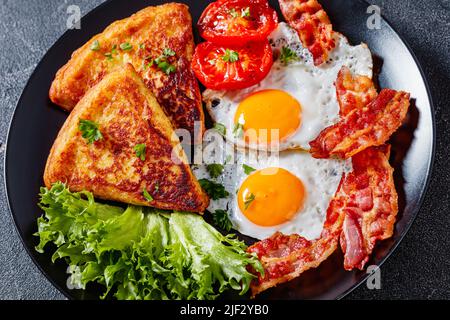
{"x": 158, "y": 42}
{"x": 118, "y": 143}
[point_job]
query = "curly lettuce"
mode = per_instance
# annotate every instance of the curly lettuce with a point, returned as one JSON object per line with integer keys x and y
{"x": 141, "y": 253}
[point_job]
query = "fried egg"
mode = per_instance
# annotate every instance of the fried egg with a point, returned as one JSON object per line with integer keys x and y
{"x": 289, "y": 192}
{"x": 296, "y": 100}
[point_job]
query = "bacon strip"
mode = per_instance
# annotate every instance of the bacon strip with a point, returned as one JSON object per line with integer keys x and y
{"x": 362, "y": 211}
{"x": 313, "y": 26}
{"x": 353, "y": 92}
{"x": 362, "y": 128}
{"x": 372, "y": 206}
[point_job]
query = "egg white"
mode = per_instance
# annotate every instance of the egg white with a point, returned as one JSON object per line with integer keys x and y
{"x": 312, "y": 86}
{"x": 320, "y": 177}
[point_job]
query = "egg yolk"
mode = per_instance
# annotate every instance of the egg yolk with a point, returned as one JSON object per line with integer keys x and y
{"x": 271, "y": 196}
{"x": 265, "y": 111}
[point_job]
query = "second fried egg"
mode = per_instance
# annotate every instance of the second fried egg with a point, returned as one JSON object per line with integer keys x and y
{"x": 289, "y": 192}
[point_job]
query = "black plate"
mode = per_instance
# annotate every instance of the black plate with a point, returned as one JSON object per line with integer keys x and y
{"x": 36, "y": 122}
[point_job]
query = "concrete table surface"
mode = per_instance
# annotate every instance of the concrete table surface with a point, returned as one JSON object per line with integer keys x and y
{"x": 418, "y": 269}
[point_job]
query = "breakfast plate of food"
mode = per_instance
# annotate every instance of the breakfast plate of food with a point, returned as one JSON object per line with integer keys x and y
{"x": 220, "y": 149}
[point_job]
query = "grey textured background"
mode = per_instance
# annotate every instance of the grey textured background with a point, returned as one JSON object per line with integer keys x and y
{"x": 419, "y": 268}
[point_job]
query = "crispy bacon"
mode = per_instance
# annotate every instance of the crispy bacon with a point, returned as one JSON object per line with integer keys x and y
{"x": 313, "y": 26}
{"x": 362, "y": 211}
{"x": 372, "y": 206}
{"x": 287, "y": 257}
{"x": 353, "y": 92}
{"x": 362, "y": 128}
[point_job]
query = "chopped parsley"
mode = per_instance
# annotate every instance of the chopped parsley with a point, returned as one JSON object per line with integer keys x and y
{"x": 148, "y": 64}
{"x": 248, "y": 169}
{"x": 238, "y": 130}
{"x": 140, "y": 150}
{"x": 214, "y": 190}
{"x": 248, "y": 200}
{"x": 245, "y": 12}
{"x": 147, "y": 195}
{"x": 95, "y": 46}
{"x": 168, "y": 52}
{"x": 126, "y": 46}
{"x": 161, "y": 62}
{"x": 233, "y": 13}
{"x": 230, "y": 56}
{"x": 109, "y": 55}
{"x": 221, "y": 220}
{"x": 288, "y": 55}
{"x": 220, "y": 128}
{"x": 166, "y": 67}
{"x": 214, "y": 170}
{"x": 142, "y": 46}
{"x": 89, "y": 131}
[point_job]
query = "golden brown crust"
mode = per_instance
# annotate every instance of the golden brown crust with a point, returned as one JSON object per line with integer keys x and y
{"x": 127, "y": 114}
{"x": 149, "y": 31}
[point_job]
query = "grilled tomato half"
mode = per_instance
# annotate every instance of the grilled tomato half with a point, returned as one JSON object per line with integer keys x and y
{"x": 229, "y": 67}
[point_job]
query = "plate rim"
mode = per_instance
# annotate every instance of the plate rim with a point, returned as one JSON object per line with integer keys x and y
{"x": 425, "y": 189}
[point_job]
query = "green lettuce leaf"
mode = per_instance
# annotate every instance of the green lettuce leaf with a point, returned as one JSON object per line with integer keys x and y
{"x": 141, "y": 253}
